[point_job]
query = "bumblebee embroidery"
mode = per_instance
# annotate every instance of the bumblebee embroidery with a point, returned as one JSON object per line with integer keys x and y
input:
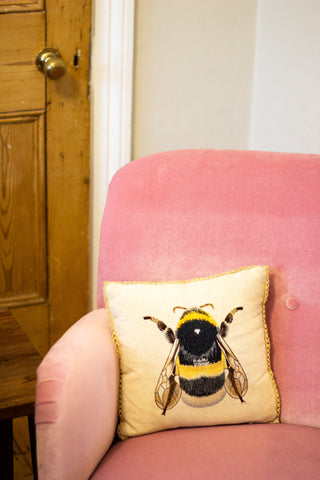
{"x": 201, "y": 367}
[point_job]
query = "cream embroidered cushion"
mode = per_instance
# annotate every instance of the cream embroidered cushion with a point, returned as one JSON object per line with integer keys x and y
{"x": 194, "y": 352}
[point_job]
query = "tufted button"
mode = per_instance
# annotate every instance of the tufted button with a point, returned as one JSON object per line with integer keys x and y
{"x": 292, "y": 303}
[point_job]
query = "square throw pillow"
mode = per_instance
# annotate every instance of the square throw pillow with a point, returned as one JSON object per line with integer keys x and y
{"x": 193, "y": 353}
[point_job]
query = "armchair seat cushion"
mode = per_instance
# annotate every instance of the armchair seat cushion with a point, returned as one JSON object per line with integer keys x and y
{"x": 257, "y": 451}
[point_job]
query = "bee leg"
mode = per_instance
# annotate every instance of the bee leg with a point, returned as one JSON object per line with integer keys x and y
{"x": 224, "y": 327}
{"x": 168, "y": 332}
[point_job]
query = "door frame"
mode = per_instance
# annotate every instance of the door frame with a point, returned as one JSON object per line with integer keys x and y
{"x": 111, "y": 108}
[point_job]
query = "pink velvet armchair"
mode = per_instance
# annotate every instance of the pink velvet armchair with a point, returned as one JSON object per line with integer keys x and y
{"x": 187, "y": 214}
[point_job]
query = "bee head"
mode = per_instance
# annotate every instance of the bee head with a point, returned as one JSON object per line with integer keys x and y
{"x": 196, "y": 331}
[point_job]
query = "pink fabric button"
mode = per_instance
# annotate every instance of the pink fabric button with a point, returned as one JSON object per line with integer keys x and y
{"x": 292, "y": 303}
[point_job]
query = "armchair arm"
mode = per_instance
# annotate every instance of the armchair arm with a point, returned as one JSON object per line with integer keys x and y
{"x": 76, "y": 400}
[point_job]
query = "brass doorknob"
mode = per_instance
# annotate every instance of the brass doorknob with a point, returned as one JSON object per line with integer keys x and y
{"x": 49, "y": 62}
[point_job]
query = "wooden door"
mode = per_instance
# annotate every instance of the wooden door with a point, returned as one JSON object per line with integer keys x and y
{"x": 44, "y": 175}
{"x": 44, "y": 158}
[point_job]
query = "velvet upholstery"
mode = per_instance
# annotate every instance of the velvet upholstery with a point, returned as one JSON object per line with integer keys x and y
{"x": 179, "y": 215}
{"x": 250, "y": 452}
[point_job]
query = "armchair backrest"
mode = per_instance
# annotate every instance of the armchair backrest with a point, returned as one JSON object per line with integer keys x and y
{"x": 194, "y": 213}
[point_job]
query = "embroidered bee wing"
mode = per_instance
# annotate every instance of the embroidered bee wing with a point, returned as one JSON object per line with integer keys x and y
{"x": 236, "y": 382}
{"x": 168, "y": 390}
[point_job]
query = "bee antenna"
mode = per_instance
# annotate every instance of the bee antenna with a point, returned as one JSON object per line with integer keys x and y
{"x": 207, "y": 305}
{"x": 175, "y": 308}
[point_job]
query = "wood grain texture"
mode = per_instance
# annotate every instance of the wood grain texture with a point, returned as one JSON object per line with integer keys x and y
{"x": 21, "y": 37}
{"x": 22, "y": 466}
{"x": 34, "y": 321}
{"x": 68, "y": 117}
{"x": 18, "y": 364}
{"x": 22, "y": 205}
{"x": 7, "y": 6}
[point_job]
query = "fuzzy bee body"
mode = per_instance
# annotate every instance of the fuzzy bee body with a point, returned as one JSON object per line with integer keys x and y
{"x": 196, "y": 367}
{"x": 201, "y": 363}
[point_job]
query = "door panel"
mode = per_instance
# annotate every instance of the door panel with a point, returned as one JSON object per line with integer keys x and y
{"x": 23, "y": 278}
{"x": 21, "y": 5}
{"x": 24, "y": 36}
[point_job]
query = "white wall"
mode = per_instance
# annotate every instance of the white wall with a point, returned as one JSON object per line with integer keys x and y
{"x": 226, "y": 74}
{"x": 286, "y": 94}
{"x": 193, "y": 74}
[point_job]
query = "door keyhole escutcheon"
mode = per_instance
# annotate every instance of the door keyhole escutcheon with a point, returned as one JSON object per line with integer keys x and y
{"x": 50, "y": 62}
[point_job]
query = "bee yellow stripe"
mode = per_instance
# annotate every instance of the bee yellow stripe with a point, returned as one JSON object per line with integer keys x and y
{"x": 194, "y": 371}
{"x": 196, "y": 315}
